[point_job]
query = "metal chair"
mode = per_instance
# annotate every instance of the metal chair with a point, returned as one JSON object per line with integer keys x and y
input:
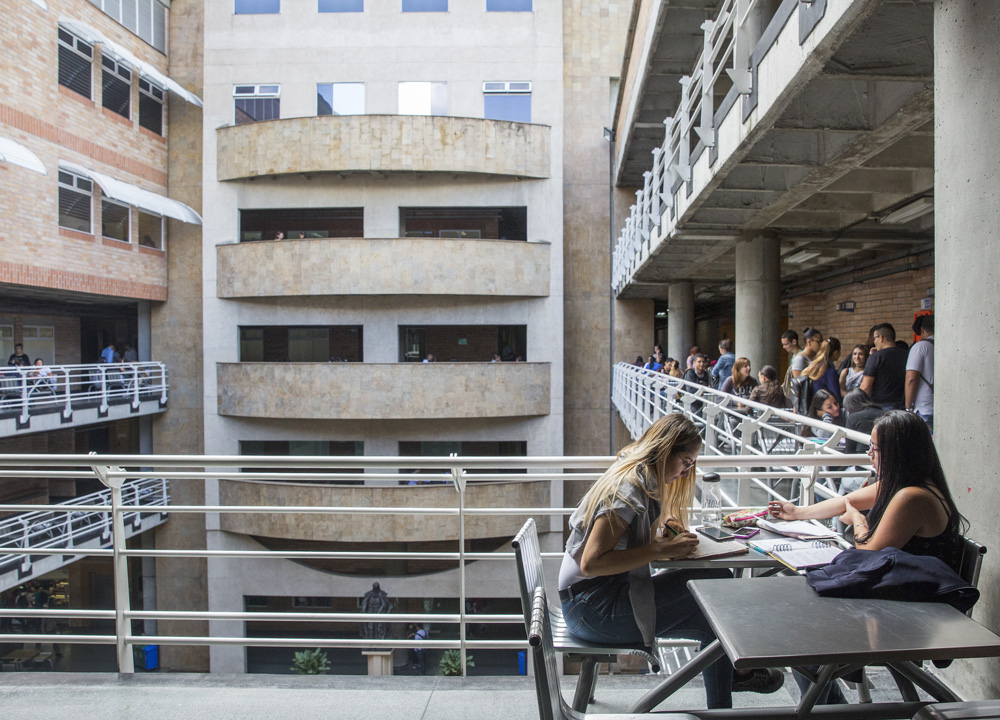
{"x": 530, "y": 577}
{"x": 551, "y": 705}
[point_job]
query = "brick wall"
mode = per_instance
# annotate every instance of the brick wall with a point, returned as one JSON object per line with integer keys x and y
{"x": 57, "y": 124}
{"x": 893, "y": 298}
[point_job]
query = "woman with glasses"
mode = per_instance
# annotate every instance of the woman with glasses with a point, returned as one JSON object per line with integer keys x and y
{"x": 908, "y": 506}
{"x": 634, "y": 514}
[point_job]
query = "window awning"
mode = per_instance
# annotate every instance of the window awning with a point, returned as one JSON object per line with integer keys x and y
{"x": 41, "y": 4}
{"x": 16, "y": 153}
{"x": 112, "y": 48}
{"x": 133, "y": 195}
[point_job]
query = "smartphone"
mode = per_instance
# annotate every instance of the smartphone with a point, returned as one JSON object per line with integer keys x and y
{"x": 745, "y": 533}
{"x": 716, "y": 533}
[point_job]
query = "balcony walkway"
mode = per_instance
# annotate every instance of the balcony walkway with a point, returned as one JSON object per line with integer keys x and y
{"x": 108, "y": 696}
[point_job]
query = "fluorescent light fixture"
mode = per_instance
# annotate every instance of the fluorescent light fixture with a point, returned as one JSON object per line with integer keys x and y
{"x": 802, "y": 256}
{"x": 910, "y": 211}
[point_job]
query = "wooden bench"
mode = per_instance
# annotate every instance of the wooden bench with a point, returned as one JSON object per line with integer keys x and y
{"x": 530, "y": 577}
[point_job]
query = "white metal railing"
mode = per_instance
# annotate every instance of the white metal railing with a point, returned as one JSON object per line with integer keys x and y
{"x": 74, "y": 522}
{"x": 734, "y": 426}
{"x": 726, "y": 50}
{"x": 34, "y": 389}
{"x": 460, "y": 473}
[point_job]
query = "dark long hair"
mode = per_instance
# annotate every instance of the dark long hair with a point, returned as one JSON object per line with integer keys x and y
{"x": 908, "y": 458}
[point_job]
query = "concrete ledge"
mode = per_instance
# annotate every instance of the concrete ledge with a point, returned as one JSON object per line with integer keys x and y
{"x": 394, "y": 266}
{"x": 383, "y": 143}
{"x": 364, "y": 529}
{"x": 384, "y": 391}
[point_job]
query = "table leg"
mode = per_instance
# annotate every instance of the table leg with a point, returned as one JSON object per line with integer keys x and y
{"x": 808, "y": 701}
{"x": 906, "y": 689}
{"x": 925, "y": 681}
{"x": 678, "y": 679}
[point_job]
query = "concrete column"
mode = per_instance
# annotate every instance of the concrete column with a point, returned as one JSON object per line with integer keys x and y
{"x": 758, "y": 297}
{"x": 967, "y": 288}
{"x": 680, "y": 320}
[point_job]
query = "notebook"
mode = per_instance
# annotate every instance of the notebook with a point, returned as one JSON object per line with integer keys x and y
{"x": 799, "y": 529}
{"x": 708, "y": 549}
{"x": 799, "y": 554}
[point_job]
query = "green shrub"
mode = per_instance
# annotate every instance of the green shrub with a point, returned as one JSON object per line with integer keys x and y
{"x": 451, "y": 662}
{"x": 311, "y": 662}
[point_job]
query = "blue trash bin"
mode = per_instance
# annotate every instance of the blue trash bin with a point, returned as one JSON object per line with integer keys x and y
{"x": 150, "y": 657}
{"x": 522, "y": 662}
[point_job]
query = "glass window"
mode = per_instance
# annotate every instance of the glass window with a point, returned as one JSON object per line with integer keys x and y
{"x": 150, "y": 106}
{"x": 340, "y": 99}
{"x": 425, "y": 5}
{"x": 251, "y": 346}
{"x": 75, "y": 58}
{"x": 75, "y": 195}
{"x": 145, "y": 18}
{"x": 39, "y": 342}
{"x": 150, "y": 230}
{"x": 508, "y": 5}
{"x": 116, "y": 90}
{"x": 507, "y": 101}
{"x": 257, "y": 7}
{"x": 309, "y": 344}
{"x": 257, "y": 102}
{"x": 423, "y": 98}
{"x": 114, "y": 220}
{"x": 341, "y": 6}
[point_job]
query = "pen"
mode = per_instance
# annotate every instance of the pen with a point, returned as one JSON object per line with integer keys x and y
{"x": 667, "y": 526}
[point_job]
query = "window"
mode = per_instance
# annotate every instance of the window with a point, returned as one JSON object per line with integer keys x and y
{"x": 423, "y": 98}
{"x": 507, "y": 101}
{"x": 75, "y": 58}
{"x": 508, "y": 5}
{"x": 146, "y": 18}
{"x": 114, "y": 220}
{"x": 425, "y": 5}
{"x": 6, "y": 340}
{"x": 257, "y": 7}
{"x": 75, "y": 193}
{"x": 257, "y": 102}
{"x": 334, "y": 343}
{"x": 39, "y": 342}
{"x": 341, "y": 6}
{"x": 340, "y": 99}
{"x": 150, "y": 230}
{"x": 150, "y": 106}
{"x": 116, "y": 87}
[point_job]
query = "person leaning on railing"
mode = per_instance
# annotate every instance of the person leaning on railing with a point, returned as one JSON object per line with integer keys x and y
{"x": 635, "y": 513}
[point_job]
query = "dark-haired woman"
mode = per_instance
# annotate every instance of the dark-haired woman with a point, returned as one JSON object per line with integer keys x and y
{"x": 910, "y": 506}
{"x": 824, "y": 406}
{"x": 850, "y": 376}
{"x": 769, "y": 392}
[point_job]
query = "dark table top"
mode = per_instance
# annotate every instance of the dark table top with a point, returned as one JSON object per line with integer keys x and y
{"x": 781, "y": 621}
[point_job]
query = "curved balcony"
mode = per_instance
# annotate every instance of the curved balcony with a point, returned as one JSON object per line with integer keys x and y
{"x": 384, "y": 144}
{"x": 367, "y": 529}
{"x": 384, "y": 391}
{"x": 394, "y": 266}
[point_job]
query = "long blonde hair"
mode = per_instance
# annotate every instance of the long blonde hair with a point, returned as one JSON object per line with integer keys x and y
{"x": 820, "y": 363}
{"x": 646, "y": 458}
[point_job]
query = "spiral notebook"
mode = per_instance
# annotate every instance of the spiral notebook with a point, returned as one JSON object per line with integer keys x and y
{"x": 799, "y": 554}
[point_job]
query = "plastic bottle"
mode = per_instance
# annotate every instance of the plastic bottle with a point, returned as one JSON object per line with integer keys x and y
{"x": 711, "y": 500}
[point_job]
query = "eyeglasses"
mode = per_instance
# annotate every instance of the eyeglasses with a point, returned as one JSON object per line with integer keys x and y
{"x": 688, "y": 464}
{"x": 872, "y": 450}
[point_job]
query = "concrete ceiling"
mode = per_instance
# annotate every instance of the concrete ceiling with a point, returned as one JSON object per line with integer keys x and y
{"x": 854, "y": 144}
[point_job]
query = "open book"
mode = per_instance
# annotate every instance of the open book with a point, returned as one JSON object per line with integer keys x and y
{"x": 799, "y": 554}
{"x": 798, "y": 529}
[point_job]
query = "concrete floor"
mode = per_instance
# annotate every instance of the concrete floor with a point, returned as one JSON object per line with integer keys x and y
{"x": 105, "y": 696}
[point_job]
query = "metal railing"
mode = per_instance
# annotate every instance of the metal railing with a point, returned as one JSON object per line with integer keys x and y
{"x": 31, "y": 390}
{"x": 67, "y": 525}
{"x": 734, "y": 426}
{"x": 460, "y": 473}
{"x": 723, "y": 63}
